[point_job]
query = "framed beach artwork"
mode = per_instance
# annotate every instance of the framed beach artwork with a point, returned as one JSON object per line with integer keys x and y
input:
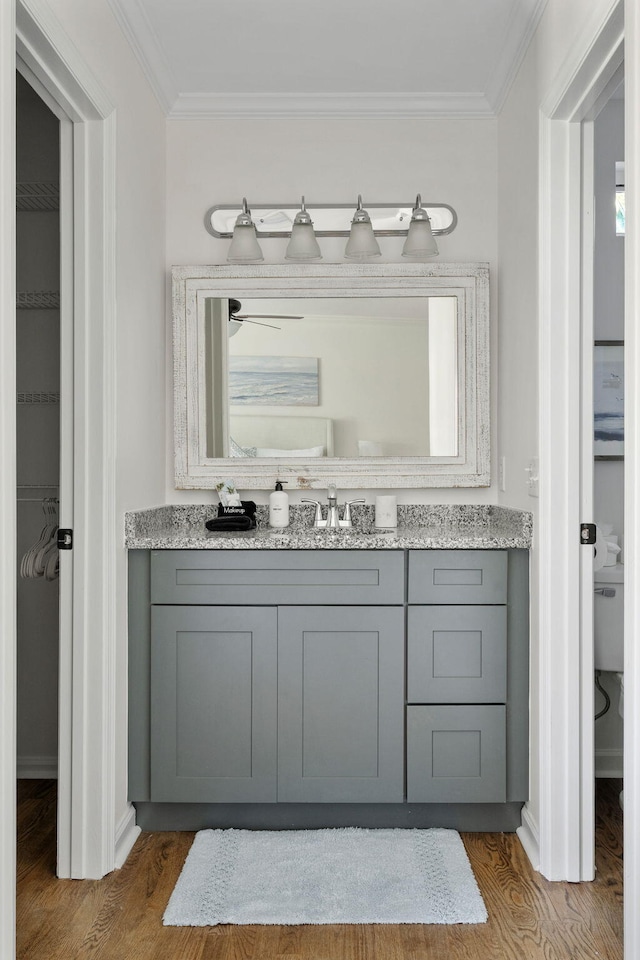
{"x": 608, "y": 400}
{"x": 273, "y": 381}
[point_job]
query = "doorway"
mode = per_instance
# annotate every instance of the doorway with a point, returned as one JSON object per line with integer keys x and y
{"x": 87, "y": 835}
{"x": 608, "y": 412}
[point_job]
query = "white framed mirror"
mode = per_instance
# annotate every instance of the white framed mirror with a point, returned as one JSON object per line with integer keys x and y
{"x": 365, "y": 375}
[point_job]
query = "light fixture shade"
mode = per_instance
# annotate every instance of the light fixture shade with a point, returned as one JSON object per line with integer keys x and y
{"x": 362, "y": 243}
{"x": 244, "y": 247}
{"x": 303, "y": 244}
{"x": 420, "y": 242}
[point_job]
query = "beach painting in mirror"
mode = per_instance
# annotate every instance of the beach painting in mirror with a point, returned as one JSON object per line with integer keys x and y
{"x": 608, "y": 400}
{"x": 273, "y": 381}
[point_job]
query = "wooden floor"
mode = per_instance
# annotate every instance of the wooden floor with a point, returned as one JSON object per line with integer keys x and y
{"x": 120, "y": 917}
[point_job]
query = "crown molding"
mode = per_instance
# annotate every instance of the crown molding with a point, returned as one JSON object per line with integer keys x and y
{"x": 523, "y": 23}
{"x": 319, "y": 106}
{"x": 149, "y": 52}
{"x": 44, "y": 46}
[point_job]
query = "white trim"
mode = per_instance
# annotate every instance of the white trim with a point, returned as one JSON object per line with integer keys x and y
{"x": 143, "y": 40}
{"x": 632, "y": 487}
{"x": 8, "y": 584}
{"x": 584, "y": 216}
{"x": 559, "y": 512}
{"x": 314, "y": 106}
{"x": 87, "y": 834}
{"x": 126, "y": 835}
{"x": 566, "y": 721}
{"x": 595, "y": 57}
{"x": 529, "y": 837}
{"x": 609, "y": 762}
{"x": 65, "y": 693}
{"x": 37, "y": 768}
{"x": 523, "y": 23}
{"x": 48, "y": 51}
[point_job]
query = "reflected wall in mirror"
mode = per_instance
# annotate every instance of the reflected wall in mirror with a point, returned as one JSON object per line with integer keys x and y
{"x": 382, "y": 370}
{"x": 367, "y": 375}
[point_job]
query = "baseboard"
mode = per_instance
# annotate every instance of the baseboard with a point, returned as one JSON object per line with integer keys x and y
{"x": 529, "y": 837}
{"x": 37, "y": 768}
{"x": 126, "y": 835}
{"x": 609, "y": 763}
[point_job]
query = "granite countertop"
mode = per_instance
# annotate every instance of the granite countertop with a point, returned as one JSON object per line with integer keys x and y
{"x": 420, "y": 527}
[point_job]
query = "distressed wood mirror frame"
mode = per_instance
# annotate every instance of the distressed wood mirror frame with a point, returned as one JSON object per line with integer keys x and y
{"x": 468, "y": 282}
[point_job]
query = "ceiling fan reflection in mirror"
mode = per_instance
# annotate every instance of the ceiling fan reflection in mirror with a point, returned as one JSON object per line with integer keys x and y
{"x": 236, "y": 319}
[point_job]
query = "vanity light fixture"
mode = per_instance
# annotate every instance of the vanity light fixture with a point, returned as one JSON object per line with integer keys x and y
{"x": 418, "y": 223}
{"x": 362, "y": 243}
{"x": 244, "y": 245}
{"x": 303, "y": 245}
{"x": 420, "y": 242}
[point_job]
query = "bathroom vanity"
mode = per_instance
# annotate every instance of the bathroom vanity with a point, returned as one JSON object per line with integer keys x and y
{"x": 305, "y": 678}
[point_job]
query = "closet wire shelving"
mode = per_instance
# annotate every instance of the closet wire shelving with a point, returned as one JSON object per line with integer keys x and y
{"x": 30, "y": 487}
{"x": 37, "y": 196}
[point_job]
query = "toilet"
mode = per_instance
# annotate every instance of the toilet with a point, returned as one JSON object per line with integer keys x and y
{"x": 608, "y": 626}
{"x": 608, "y": 613}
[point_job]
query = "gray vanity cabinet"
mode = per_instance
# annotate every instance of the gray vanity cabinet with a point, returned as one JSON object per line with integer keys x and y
{"x": 282, "y": 688}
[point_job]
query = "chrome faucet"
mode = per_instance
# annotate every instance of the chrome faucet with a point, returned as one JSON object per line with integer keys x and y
{"x": 333, "y": 521}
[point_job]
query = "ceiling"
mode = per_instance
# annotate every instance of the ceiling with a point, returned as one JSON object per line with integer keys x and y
{"x": 349, "y": 58}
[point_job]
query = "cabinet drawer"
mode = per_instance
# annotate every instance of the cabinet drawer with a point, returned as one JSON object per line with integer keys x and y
{"x": 278, "y": 576}
{"x": 456, "y": 754}
{"x": 457, "y": 576}
{"x": 457, "y": 654}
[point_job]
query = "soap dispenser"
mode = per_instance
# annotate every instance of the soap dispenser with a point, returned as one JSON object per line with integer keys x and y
{"x": 279, "y": 506}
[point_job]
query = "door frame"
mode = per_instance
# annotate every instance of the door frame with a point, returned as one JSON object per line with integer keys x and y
{"x": 86, "y": 802}
{"x": 567, "y": 818}
{"x": 8, "y": 579}
{"x": 632, "y": 485}
{"x": 566, "y": 725}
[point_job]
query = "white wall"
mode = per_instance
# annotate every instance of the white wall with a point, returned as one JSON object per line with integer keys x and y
{"x": 373, "y": 371}
{"x": 449, "y": 161}
{"x": 140, "y": 335}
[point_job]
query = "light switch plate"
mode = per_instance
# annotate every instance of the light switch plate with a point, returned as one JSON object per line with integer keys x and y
{"x": 533, "y": 482}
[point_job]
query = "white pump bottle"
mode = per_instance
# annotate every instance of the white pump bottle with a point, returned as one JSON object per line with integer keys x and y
{"x": 279, "y": 506}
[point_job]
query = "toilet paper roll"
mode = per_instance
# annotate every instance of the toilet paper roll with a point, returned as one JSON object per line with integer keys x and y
{"x": 600, "y": 550}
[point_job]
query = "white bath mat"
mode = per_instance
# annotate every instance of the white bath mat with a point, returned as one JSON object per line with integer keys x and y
{"x": 349, "y": 875}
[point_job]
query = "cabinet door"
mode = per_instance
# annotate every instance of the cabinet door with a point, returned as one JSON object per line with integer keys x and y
{"x": 213, "y": 704}
{"x": 340, "y": 704}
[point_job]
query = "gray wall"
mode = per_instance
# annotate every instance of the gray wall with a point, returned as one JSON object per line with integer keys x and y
{"x": 38, "y": 371}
